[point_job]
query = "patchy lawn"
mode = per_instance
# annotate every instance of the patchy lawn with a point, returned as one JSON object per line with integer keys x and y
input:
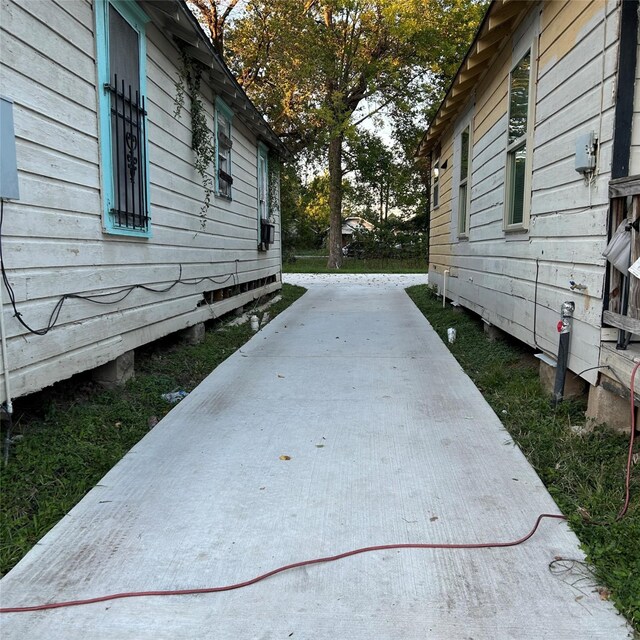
{"x": 583, "y": 473}
{"x": 67, "y": 437}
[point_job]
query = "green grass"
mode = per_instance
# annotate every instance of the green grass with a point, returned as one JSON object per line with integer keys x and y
{"x": 355, "y": 265}
{"x": 71, "y": 435}
{"x": 311, "y": 253}
{"x": 582, "y": 472}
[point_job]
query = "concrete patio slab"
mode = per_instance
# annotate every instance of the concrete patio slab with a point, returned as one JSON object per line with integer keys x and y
{"x": 388, "y": 442}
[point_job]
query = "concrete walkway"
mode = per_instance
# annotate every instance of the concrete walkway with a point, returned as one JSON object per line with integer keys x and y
{"x": 388, "y": 441}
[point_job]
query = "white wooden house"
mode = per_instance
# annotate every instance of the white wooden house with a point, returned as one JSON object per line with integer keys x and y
{"x": 353, "y": 225}
{"x": 111, "y": 206}
{"x": 539, "y": 130}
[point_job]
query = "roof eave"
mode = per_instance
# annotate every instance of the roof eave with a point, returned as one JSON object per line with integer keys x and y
{"x": 176, "y": 19}
{"x": 496, "y": 26}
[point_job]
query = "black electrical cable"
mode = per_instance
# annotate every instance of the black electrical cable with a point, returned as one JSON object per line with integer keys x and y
{"x": 535, "y": 308}
{"x": 602, "y": 366}
{"x": 95, "y": 298}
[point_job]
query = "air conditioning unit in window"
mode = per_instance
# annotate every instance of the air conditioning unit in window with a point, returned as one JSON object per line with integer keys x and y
{"x": 267, "y": 234}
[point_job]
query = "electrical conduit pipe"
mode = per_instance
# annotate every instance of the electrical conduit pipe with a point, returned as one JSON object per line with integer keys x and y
{"x": 444, "y": 292}
{"x": 564, "y": 328}
{"x": 5, "y": 358}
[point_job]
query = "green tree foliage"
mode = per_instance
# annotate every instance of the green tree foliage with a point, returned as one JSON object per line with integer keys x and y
{"x": 384, "y": 180}
{"x": 309, "y": 65}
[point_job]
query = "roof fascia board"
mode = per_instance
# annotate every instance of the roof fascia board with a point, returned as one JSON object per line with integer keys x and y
{"x": 485, "y": 45}
{"x": 175, "y": 17}
{"x": 503, "y": 13}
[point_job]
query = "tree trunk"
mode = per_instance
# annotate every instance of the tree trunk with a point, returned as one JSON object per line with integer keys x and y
{"x": 335, "y": 202}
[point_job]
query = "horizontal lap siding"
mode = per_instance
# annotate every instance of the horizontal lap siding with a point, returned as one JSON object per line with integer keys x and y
{"x": 53, "y": 237}
{"x": 494, "y": 273}
{"x": 439, "y": 230}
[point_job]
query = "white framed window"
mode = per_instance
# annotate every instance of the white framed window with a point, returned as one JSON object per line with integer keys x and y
{"x": 464, "y": 187}
{"x": 435, "y": 183}
{"x": 517, "y": 200}
{"x": 224, "y": 178}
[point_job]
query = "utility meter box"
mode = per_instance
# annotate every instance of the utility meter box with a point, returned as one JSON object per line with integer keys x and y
{"x": 586, "y": 152}
{"x": 8, "y": 169}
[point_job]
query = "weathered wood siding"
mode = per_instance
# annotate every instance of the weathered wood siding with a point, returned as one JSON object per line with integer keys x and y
{"x": 494, "y": 272}
{"x": 53, "y": 239}
{"x": 439, "y": 230}
{"x": 634, "y": 164}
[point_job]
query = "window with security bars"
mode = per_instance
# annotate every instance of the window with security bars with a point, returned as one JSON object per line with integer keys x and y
{"x": 121, "y": 64}
{"x": 266, "y": 230}
{"x": 129, "y": 206}
{"x": 223, "y": 147}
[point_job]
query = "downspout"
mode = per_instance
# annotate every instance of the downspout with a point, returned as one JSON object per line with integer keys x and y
{"x": 623, "y": 119}
{"x": 9, "y": 190}
{"x": 5, "y": 359}
{"x": 8, "y": 404}
{"x": 627, "y": 59}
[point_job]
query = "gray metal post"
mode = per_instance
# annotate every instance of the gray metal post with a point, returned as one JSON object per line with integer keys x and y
{"x": 564, "y": 327}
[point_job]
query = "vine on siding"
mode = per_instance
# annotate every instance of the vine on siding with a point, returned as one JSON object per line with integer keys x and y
{"x": 275, "y": 165}
{"x": 202, "y": 142}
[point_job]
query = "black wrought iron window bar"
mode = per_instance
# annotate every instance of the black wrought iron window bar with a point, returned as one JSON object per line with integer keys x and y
{"x": 225, "y": 177}
{"x": 128, "y": 142}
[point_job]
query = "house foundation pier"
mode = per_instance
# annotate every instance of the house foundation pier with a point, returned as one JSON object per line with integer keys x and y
{"x": 117, "y": 372}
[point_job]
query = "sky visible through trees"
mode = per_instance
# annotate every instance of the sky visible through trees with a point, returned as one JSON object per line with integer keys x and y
{"x": 349, "y": 86}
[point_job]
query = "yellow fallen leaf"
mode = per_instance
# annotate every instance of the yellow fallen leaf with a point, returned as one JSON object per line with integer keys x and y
{"x": 285, "y": 457}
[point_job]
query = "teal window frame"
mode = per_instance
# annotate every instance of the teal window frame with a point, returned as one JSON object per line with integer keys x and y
{"x": 223, "y": 109}
{"x": 137, "y": 19}
{"x": 263, "y": 186}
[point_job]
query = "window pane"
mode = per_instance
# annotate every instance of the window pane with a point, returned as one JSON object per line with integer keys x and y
{"x": 519, "y": 99}
{"x": 462, "y": 209}
{"x": 262, "y": 187}
{"x": 224, "y": 144}
{"x": 517, "y": 162}
{"x": 464, "y": 154}
{"x": 129, "y": 207}
{"x": 123, "y": 51}
{"x": 435, "y": 180}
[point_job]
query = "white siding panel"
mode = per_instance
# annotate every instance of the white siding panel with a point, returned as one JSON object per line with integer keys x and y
{"x": 40, "y": 99}
{"x": 39, "y": 129}
{"x": 495, "y": 273}
{"x": 24, "y": 33}
{"x": 53, "y": 238}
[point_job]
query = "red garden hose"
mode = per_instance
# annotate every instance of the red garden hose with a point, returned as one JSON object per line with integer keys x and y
{"x": 264, "y": 576}
{"x": 631, "y": 441}
{"x": 346, "y": 554}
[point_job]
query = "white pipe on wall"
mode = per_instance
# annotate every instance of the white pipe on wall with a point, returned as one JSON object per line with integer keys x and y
{"x": 444, "y": 293}
{"x": 5, "y": 358}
